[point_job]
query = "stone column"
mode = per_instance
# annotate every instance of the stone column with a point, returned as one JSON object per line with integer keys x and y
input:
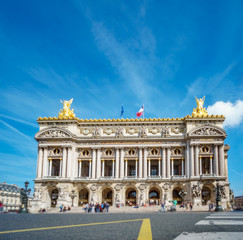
{"x": 221, "y": 160}
{"x": 117, "y": 163}
{"x": 74, "y": 162}
{"x": 98, "y": 163}
{"x": 200, "y": 165}
{"x": 159, "y": 167}
{"x": 125, "y": 167}
{"x": 50, "y": 166}
{"x": 40, "y": 162}
{"x": 168, "y": 162}
{"x": 196, "y": 160}
{"x": 103, "y": 167}
{"x": 192, "y": 160}
{"x": 187, "y": 159}
{"x": 113, "y": 168}
{"x": 172, "y": 167}
{"x": 93, "y": 163}
{"x": 122, "y": 164}
{"x": 149, "y": 167}
{"x": 79, "y": 168}
{"x": 69, "y": 163}
{"x": 145, "y": 162}
{"x": 64, "y": 162}
{"x": 163, "y": 163}
{"x": 45, "y": 163}
{"x": 140, "y": 173}
{"x": 60, "y": 170}
{"x": 182, "y": 167}
{"x": 216, "y": 169}
{"x": 90, "y": 166}
{"x": 136, "y": 167}
{"x": 211, "y": 165}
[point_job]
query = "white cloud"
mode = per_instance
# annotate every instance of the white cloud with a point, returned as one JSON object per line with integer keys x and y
{"x": 232, "y": 111}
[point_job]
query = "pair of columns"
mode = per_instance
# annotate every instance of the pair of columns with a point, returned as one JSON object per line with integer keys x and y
{"x": 182, "y": 167}
{"x": 216, "y": 162}
{"x": 44, "y": 165}
{"x": 80, "y": 169}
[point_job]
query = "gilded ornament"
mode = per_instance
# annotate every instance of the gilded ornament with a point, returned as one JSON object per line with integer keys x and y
{"x": 200, "y": 111}
{"x": 66, "y": 112}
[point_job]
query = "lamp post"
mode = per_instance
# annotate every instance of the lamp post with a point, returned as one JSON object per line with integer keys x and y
{"x": 73, "y": 195}
{"x": 24, "y": 198}
{"x": 218, "y": 198}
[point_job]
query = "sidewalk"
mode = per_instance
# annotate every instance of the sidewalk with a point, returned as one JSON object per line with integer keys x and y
{"x": 127, "y": 209}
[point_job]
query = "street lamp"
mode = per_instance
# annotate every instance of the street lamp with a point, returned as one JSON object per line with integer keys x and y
{"x": 218, "y": 198}
{"x": 73, "y": 195}
{"x": 24, "y": 197}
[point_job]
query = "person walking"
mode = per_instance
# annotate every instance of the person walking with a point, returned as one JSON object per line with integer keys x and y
{"x": 61, "y": 206}
{"x": 191, "y": 206}
{"x": 163, "y": 206}
{"x": 107, "y": 207}
{"x": 1, "y": 207}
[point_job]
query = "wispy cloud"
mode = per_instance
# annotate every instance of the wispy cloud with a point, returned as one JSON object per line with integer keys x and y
{"x": 17, "y": 131}
{"x": 132, "y": 64}
{"x": 203, "y": 86}
{"x": 19, "y": 120}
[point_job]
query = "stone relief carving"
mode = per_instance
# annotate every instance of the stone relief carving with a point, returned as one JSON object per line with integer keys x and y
{"x": 166, "y": 131}
{"x": 85, "y": 153}
{"x": 196, "y": 190}
{"x": 63, "y": 194}
{"x": 206, "y": 131}
{"x": 118, "y": 187}
{"x": 132, "y": 131}
{"x": 177, "y": 130}
{"x": 54, "y": 151}
{"x": 109, "y": 131}
{"x": 142, "y": 187}
{"x": 143, "y": 132}
{"x": 94, "y": 187}
{"x": 97, "y": 132}
{"x": 222, "y": 190}
{"x": 54, "y": 134}
{"x": 119, "y": 132}
{"x": 154, "y": 130}
{"x": 38, "y": 193}
{"x": 85, "y": 131}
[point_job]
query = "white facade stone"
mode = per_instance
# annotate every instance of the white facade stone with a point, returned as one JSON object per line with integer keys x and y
{"x": 138, "y": 161}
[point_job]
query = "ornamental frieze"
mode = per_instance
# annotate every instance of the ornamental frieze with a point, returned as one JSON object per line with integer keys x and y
{"x": 54, "y": 133}
{"x": 132, "y": 131}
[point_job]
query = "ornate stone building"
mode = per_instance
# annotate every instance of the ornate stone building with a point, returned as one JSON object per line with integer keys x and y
{"x": 10, "y": 197}
{"x": 131, "y": 160}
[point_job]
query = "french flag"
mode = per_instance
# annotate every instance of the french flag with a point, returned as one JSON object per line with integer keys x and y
{"x": 140, "y": 112}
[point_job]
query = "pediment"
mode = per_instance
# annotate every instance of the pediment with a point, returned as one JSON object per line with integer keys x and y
{"x": 208, "y": 130}
{"x": 53, "y": 133}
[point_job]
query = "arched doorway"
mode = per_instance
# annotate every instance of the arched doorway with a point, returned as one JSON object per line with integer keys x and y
{"x": 176, "y": 195}
{"x": 54, "y": 197}
{"x": 206, "y": 195}
{"x": 131, "y": 197}
{"x": 107, "y": 196}
{"x": 83, "y": 197}
{"x": 154, "y": 196}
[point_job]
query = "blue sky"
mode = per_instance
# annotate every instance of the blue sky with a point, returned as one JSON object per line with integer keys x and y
{"x": 106, "y": 53}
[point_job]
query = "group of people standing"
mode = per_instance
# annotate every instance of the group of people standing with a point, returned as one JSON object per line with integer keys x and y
{"x": 92, "y": 208}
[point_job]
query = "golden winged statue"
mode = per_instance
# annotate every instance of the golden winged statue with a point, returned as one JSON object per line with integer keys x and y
{"x": 200, "y": 111}
{"x": 66, "y": 112}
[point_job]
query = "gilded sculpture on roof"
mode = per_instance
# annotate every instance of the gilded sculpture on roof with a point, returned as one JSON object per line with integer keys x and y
{"x": 200, "y": 111}
{"x": 66, "y": 112}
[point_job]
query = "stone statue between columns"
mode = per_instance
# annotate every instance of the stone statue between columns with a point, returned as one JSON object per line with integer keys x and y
{"x": 66, "y": 112}
{"x": 200, "y": 111}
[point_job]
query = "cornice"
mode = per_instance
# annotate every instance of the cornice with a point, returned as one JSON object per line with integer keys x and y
{"x": 145, "y": 120}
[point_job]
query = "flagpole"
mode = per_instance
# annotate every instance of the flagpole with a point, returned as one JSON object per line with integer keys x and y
{"x": 143, "y": 111}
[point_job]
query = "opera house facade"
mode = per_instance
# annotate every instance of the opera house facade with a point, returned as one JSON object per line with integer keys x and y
{"x": 124, "y": 161}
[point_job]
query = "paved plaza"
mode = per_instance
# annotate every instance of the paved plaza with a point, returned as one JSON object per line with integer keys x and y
{"x": 179, "y": 226}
